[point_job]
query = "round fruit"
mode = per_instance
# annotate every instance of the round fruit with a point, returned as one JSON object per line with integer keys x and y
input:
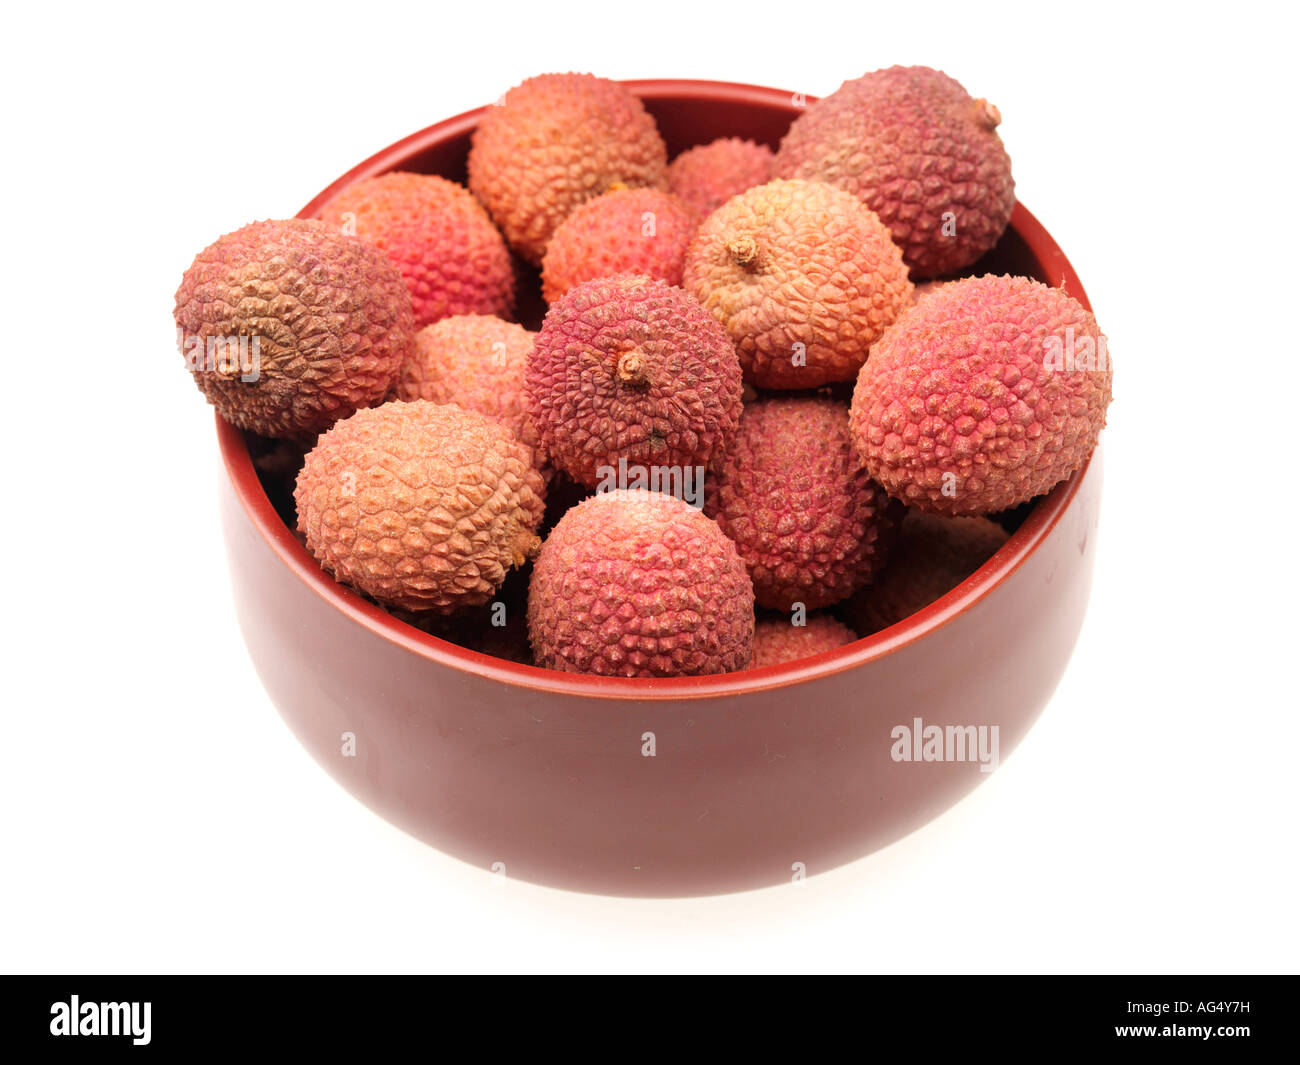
{"x": 288, "y": 326}
{"x": 809, "y": 522}
{"x": 803, "y": 277}
{"x": 778, "y": 640}
{"x": 933, "y": 555}
{"x": 639, "y": 584}
{"x": 915, "y": 148}
{"x": 554, "y": 142}
{"x": 631, "y": 368}
{"x": 451, "y": 256}
{"x": 420, "y": 506}
{"x": 627, "y": 231}
{"x": 985, "y": 394}
{"x": 477, "y": 362}
{"x": 708, "y": 175}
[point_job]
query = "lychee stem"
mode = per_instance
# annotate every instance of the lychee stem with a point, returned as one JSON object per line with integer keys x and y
{"x": 988, "y": 115}
{"x": 743, "y": 250}
{"x": 631, "y": 369}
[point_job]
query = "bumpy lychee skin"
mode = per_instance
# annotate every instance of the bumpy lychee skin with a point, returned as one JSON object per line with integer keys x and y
{"x": 640, "y": 584}
{"x": 477, "y": 362}
{"x": 804, "y": 278}
{"x": 809, "y": 522}
{"x": 631, "y": 368}
{"x": 708, "y": 175}
{"x": 627, "y": 231}
{"x": 933, "y": 555}
{"x": 985, "y": 394}
{"x": 451, "y": 256}
{"x": 419, "y": 505}
{"x": 915, "y": 148}
{"x": 778, "y": 640}
{"x": 554, "y": 142}
{"x": 288, "y": 326}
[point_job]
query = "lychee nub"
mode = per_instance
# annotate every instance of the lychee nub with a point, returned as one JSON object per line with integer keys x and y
{"x": 421, "y": 506}
{"x": 987, "y": 393}
{"x": 629, "y": 368}
{"x": 640, "y": 584}
{"x": 451, "y": 256}
{"x": 288, "y": 326}
{"x": 806, "y": 517}
{"x": 803, "y": 277}
{"x": 554, "y": 142}
{"x": 933, "y": 555}
{"x": 920, "y": 152}
{"x": 627, "y": 231}
{"x": 779, "y": 640}
{"x": 708, "y": 175}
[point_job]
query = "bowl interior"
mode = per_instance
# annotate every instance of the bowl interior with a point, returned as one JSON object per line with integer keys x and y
{"x": 688, "y": 113}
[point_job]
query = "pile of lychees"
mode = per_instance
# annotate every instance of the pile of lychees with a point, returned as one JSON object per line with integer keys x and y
{"x": 717, "y": 502}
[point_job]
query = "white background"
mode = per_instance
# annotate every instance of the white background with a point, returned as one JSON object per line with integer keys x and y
{"x": 158, "y": 816}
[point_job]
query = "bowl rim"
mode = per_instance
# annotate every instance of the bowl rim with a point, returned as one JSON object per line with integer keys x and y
{"x": 1035, "y": 528}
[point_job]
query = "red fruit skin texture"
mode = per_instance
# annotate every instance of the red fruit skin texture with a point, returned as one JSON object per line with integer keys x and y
{"x": 421, "y": 506}
{"x": 920, "y": 152}
{"x": 807, "y": 519}
{"x": 451, "y": 256}
{"x": 933, "y": 555}
{"x": 804, "y": 279}
{"x": 330, "y": 314}
{"x": 628, "y": 231}
{"x": 631, "y": 368}
{"x": 476, "y": 361}
{"x": 961, "y": 408}
{"x": 708, "y": 175}
{"x": 554, "y": 142}
{"x": 777, "y": 640}
{"x": 639, "y": 584}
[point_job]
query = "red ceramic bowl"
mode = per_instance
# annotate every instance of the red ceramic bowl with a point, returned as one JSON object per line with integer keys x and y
{"x": 756, "y": 777}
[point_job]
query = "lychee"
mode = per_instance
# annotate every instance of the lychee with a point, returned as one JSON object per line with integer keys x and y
{"x": 627, "y": 231}
{"x": 289, "y": 325}
{"x": 631, "y": 368}
{"x": 985, "y": 394}
{"x": 451, "y": 256}
{"x": 708, "y": 175}
{"x": 933, "y": 555}
{"x": 639, "y": 584}
{"x": 778, "y": 640}
{"x": 554, "y": 142}
{"x": 915, "y": 148}
{"x": 419, "y": 505}
{"x": 803, "y": 277}
{"x": 807, "y": 519}
{"x": 477, "y": 362}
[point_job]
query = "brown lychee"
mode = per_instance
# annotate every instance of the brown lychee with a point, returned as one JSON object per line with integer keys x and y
{"x": 627, "y": 231}
{"x": 639, "y": 584}
{"x": 804, "y": 278}
{"x": 451, "y": 256}
{"x": 288, "y": 326}
{"x": 916, "y": 149}
{"x": 708, "y": 175}
{"x": 933, "y": 555}
{"x": 807, "y": 519}
{"x": 629, "y": 368}
{"x": 419, "y": 505}
{"x": 987, "y": 393}
{"x": 554, "y": 142}
{"x": 778, "y": 640}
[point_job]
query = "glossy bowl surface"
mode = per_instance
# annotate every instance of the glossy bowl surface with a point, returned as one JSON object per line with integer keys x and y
{"x": 754, "y": 778}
